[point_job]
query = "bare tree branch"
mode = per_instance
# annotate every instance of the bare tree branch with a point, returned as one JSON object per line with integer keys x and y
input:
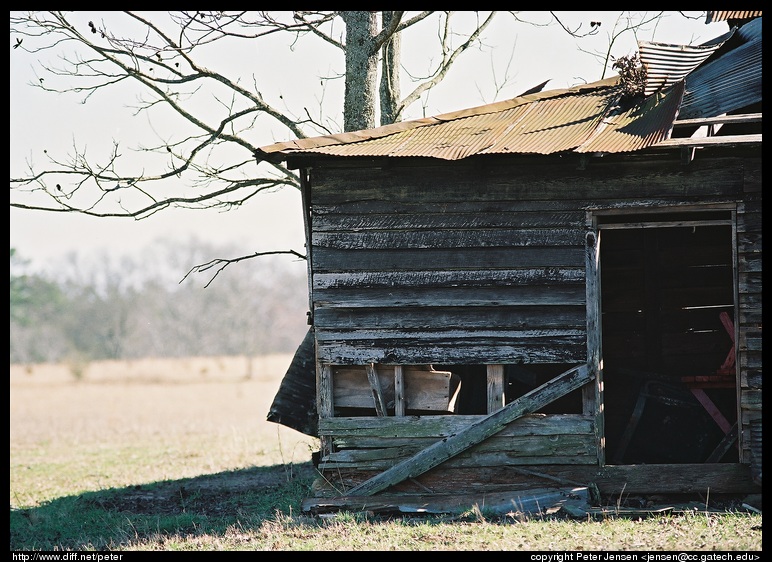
{"x": 627, "y": 22}
{"x": 137, "y": 61}
{"x": 220, "y": 264}
{"x": 575, "y": 32}
{"x": 313, "y": 26}
{"x": 204, "y": 125}
{"x": 448, "y": 57}
{"x": 387, "y": 32}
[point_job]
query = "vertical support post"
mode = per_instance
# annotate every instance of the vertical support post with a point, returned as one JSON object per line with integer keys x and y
{"x": 592, "y": 395}
{"x": 324, "y": 405}
{"x": 496, "y": 395}
{"x": 399, "y": 391}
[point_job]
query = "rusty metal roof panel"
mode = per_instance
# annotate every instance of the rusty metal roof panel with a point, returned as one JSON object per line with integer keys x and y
{"x": 735, "y": 15}
{"x": 624, "y": 131}
{"x": 445, "y": 139}
{"x": 544, "y": 126}
{"x": 556, "y": 125}
{"x": 470, "y": 131}
{"x": 536, "y": 124}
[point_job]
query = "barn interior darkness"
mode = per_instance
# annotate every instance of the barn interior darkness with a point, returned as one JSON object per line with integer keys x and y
{"x": 668, "y": 368}
{"x": 519, "y": 379}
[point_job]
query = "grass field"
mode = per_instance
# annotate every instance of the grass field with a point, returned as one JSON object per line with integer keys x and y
{"x": 178, "y": 455}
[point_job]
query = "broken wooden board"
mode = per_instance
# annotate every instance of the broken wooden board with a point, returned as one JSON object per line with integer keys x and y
{"x": 469, "y": 436}
{"x": 522, "y": 502}
{"x": 425, "y": 389}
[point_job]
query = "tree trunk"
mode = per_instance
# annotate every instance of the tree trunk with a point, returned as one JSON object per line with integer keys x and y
{"x": 361, "y": 70}
{"x": 390, "y": 56}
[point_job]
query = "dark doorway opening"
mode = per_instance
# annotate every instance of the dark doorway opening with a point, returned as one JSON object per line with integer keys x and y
{"x": 667, "y": 313}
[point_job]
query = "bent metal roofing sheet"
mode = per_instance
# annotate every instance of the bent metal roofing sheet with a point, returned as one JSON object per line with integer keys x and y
{"x": 587, "y": 118}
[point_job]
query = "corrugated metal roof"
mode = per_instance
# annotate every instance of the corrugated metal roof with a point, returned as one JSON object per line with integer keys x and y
{"x": 542, "y": 126}
{"x": 667, "y": 64}
{"x": 736, "y": 15}
{"x": 626, "y": 131}
{"x": 587, "y": 118}
{"x": 728, "y": 83}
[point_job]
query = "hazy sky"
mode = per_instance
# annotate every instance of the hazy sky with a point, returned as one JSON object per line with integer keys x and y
{"x": 54, "y": 122}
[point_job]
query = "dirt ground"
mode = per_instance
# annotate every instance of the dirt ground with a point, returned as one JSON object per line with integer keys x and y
{"x": 119, "y": 424}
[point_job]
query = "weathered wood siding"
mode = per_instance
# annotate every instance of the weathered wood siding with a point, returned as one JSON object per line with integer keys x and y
{"x": 474, "y": 263}
{"x": 749, "y": 305}
{"x": 483, "y": 262}
{"x": 371, "y": 443}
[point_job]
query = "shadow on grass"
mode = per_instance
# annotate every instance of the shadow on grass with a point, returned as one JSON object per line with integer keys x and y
{"x": 118, "y": 517}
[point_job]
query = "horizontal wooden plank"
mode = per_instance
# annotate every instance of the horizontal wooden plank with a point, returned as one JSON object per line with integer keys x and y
{"x": 446, "y": 238}
{"x": 376, "y": 215}
{"x": 749, "y": 263}
{"x": 750, "y": 342}
{"x": 465, "y": 351}
{"x": 514, "y": 337}
{"x": 481, "y": 461}
{"x": 533, "y": 501}
{"x": 507, "y": 180}
{"x": 748, "y": 359}
{"x": 611, "y": 480}
{"x": 430, "y": 259}
{"x": 750, "y": 282}
{"x": 724, "y": 140}
{"x": 751, "y": 399}
{"x": 450, "y": 296}
{"x": 750, "y": 221}
{"x": 494, "y": 451}
{"x": 471, "y": 318}
{"x": 450, "y": 278}
{"x": 749, "y": 242}
{"x": 444, "y": 426}
{"x": 568, "y": 206}
{"x": 746, "y": 118}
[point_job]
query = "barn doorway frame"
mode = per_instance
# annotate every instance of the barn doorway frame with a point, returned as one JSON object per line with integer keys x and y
{"x": 620, "y": 413}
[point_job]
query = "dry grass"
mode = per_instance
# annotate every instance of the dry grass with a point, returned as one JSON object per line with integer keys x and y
{"x": 178, "y": 455}
{"x": 125, "y": 423}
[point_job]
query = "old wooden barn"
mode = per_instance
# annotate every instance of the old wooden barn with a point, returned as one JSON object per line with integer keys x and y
{"x": 556, "y": 291}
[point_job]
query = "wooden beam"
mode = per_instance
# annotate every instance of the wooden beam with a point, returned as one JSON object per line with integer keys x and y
{"x": 496, "y": 394}
{"x": 475, "y": 433}
{"x": 592, "y": 395}
{"x": 726, "y": 140}
{"x": 375, "y": 385}
{"x": 399, "y": 391}
{"x": 612, "y": 481}
{"x": 720, "y": 119}
{"x": 324, "y": 405}
{"x": 530, "y": 501}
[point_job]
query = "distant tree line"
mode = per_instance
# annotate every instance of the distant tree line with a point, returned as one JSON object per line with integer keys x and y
{"x": 136, "y": 308}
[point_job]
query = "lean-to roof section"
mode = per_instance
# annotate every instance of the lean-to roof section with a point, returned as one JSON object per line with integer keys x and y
{"x": 729, "y": 82}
